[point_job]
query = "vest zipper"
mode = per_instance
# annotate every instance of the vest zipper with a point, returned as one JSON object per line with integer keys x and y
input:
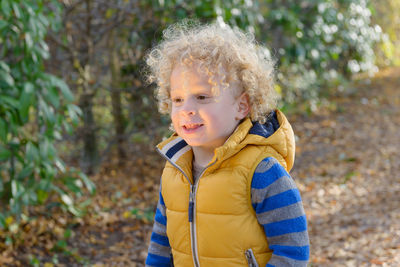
{"x": 192, "y": 208}
{"x": 192, "y": 221}
{"x": 251, "y": 259}
{"x": 193, "y": 192}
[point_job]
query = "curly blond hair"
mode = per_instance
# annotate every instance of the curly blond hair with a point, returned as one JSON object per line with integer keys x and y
{"x": 218, "y": 50}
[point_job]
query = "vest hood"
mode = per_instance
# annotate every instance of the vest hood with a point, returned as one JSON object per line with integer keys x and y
{"x": 276, "y": 133}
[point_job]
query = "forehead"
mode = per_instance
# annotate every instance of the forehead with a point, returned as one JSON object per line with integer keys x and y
{"x": 183, "y": 76}
{"x": 193, "y": 77}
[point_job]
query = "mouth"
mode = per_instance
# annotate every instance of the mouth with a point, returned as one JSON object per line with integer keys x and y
{"x": 190, "y": 127}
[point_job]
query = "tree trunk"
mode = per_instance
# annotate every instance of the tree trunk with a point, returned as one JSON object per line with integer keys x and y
{"x": 90, "y": 150}
{"x": 119, "y": 119}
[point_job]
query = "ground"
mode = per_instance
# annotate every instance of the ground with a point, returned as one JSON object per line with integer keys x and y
{"x": 347, "y": 169}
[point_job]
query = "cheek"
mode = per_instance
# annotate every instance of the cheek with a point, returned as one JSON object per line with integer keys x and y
{"x": 174, "y": 116}
{"x": 217, "y": 117}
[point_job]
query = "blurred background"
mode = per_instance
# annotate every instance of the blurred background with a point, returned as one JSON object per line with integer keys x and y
{"x": 78, "y": 172}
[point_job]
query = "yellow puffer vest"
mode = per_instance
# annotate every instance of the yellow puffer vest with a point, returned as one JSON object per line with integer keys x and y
{"x": 212, "y": 222}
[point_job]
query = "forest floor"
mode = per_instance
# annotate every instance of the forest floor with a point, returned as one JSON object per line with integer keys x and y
{"x": 347, "y": 169}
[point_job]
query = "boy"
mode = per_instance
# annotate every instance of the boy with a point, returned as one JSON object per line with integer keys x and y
{"x": 226, "y": 198}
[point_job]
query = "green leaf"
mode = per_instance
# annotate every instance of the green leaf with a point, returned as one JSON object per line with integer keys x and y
{"x": 48, "y": 113}
{"x": 42, "y": 50}
{"x": 3, "y": 24}
{"x": 4, "y": 153}
{"x": 26, "y": 171}
{"x": 181, "y": 13}
{"x": 33, "y": 24}
{"x": 12, "y": 119}
{"x": 1, "y": 186}
{"x": 5, "y": 7}
{"x": 88, "y": 183}
{"x": 41, "y": 196}
{"x": 34, "y": 261}
{"x": 17, "y": 10}
{"x": 46, "y": 185}
{"x": 28, "y": 40}
{"x": 109, "y": 13}
{"x": 67, "y": 233}
{"x": 29, "y": 196}
{"x": 43, "y": 20}
{"x": 47, "y": 150}
{"x": 52, "y": 96}
{"x": 72, "y": 185}
{"x": 7, "y": 78}
{"x": 67, "y": 200}
{"x": 3, "y": 130}
{"x": 4, "y": 66}
{"x": 60, "y": 164}
{"x": 48, "y": 169}
{"x": 75, "y": 211}
{"x": 17, "y": 189}
{"x": 73, "y": 112}
{"x": 61, "y": 245}
{"x": 67, "y": 126}
{"x": 32, "y": 153}
{"x": 3, "y": 223}
{"x": 12, "y": 102}
{"x": 62, "y": 86}
{"x": 26, "y": 100}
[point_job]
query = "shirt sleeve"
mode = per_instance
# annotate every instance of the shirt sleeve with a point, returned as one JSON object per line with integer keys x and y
{"x": 279, "y": 209}
{"x": 159, "y": 252}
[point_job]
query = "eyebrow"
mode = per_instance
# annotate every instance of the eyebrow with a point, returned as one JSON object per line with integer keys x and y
{"x": 196, "y": 89}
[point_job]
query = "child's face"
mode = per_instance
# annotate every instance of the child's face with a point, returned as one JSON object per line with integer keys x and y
{"x": 202, "y": 119}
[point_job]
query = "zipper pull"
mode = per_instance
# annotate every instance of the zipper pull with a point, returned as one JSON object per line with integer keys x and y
{"x": 191, "y": 203}
{"x": 250, "y": 258}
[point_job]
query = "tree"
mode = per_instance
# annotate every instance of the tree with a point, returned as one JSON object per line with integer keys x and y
{"x": 35, "y": 108}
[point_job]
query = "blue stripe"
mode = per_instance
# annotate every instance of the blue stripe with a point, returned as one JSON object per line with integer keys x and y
{"x": 295, "y": 225}
{"x": 270, "y": 265}
{"x": 254, "y": 206}
{"x": 160, "y": 218}
{"x": 155, "y": 260}
{"x": 262, "y": 180}
{"x": 172, "y": 151}
{"x": 161, "y": 198}
{"x": 280, "y": 200}
{"x": 295, "y": 253}
{"x": 160, "y": 239}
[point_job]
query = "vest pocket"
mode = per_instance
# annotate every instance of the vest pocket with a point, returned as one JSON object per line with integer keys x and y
{"x": 251, "y": 259}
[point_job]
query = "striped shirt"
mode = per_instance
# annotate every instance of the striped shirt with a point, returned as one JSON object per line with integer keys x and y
{"x": 279, "y": 209}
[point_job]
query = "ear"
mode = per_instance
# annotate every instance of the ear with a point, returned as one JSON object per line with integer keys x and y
{"x": 243, "y": 105}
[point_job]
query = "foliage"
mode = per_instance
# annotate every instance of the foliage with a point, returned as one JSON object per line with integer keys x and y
{"x": 35, "y": 109}
{"x": 386, "y": 13}
{"x": 320, "y": 43}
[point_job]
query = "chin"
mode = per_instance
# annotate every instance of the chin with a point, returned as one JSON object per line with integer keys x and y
{"x": 193, "y": 143}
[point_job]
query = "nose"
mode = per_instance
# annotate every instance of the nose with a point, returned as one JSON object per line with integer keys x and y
{"x": 188, "y": 107}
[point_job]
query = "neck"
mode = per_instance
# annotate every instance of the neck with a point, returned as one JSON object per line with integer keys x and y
{"x": 202, "y": 156}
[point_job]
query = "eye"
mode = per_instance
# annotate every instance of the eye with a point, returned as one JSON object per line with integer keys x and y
{"x": 177, "y": 100}
{"x": 202, "y": 97}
